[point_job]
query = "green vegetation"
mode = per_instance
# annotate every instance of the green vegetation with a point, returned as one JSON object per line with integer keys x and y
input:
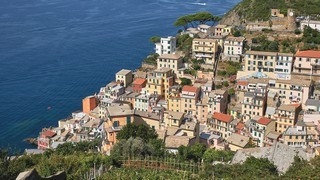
{"x": 264, "y": 44}
{"x": 132, "y": 130}
{"x": 155, "y": 39}
{"x": 151, "y": 59}
{"x": 145, "y": 157}
{"x": 192, "y": 20}
{"x": 252, "y": 10}
{"x": 311, "y": 36}
{"x": 75, "y": 159}
{"x": 231, "y": 68}
{"x": 185, "y": 81}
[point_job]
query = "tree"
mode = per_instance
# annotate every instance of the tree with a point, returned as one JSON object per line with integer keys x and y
{"x": 132, "y": 130}
{"x": 155, "y": 39}
{"x": 185, "y": 81}
{"x": 211, "y": 155}
{"x": 237, "y": 33}
{"x": 231, "y": 91}
{"x": 225, "y": 83}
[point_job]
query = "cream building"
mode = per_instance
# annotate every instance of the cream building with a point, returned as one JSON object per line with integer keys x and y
{"x": 259, "y": 127}
{"x": 221, "y": 124}
{"x": 171, "y": 61}
{"x": 307, "y": 63}
{"x": 172, "y": 118}
{"x": 124, "y": 76}
{"x": 292, "y": 91}
{"x": 205, "y": 49}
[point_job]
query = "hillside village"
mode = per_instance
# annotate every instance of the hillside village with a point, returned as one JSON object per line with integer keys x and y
{"x": 212, "y": 85}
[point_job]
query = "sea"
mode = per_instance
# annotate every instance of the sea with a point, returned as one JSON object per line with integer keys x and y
{"x": 53, "y": 53}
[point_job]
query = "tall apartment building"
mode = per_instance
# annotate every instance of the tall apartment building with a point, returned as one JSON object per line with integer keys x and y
{"x": 166, "y": 45}
{"x": 284, "y": 66}
{"x": 159, "y": 82}
{"x": 221, "y": 124}
{"x": 174, "y": 100}
{"x": 189, "y": 98}
{"x": 172, "y": 61}
{"x": 205, "y": 49}
{"x": 307, "y": 63}
{"x": 286, "y": 116}
{"x": 267, "y": 64}
{"x": 233, "y": 48}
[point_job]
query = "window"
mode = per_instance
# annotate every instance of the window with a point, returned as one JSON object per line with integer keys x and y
{"x": 128, "y": 120}
{"x": 115, "y": 123}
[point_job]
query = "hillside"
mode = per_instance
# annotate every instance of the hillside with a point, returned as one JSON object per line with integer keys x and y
{"x": 251, "y": 10}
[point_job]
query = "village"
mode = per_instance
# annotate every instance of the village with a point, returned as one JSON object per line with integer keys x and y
{"x": 223, "y": 92}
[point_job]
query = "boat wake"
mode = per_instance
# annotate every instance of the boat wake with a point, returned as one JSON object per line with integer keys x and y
{"x": 200, "y": 4}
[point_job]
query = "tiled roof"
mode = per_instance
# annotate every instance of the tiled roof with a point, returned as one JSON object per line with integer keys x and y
{"x": 240, "y": 125}
{"x": 309, "y": 53}
{"x": 264, "y": 121}
{"x": 139, "y": 81}
{"x": 222, "y": 117}
{"x": 242, "y": 83}
{"x": 190, "y": 89}
{"x": 48, "y": 133}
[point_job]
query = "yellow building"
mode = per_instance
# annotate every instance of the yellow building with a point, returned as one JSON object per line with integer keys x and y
{"x": 286, "y": 116}
{"x": 159, "y": 82}
{"x": 174, "y": 100}
{"x": 152, "y": 120}
{"x": 189, "y": 99}
{"x": 205, "y": 49}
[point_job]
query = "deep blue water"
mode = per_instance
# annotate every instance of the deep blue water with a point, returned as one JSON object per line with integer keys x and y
{"x": 55, "y": 52}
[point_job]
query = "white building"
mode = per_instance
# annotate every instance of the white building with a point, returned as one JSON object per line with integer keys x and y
{"x": 284, "y": 66}
{"x": 166, "y": 45}
{"x": 233, "y": 48}
{"x": 312, "y": 24}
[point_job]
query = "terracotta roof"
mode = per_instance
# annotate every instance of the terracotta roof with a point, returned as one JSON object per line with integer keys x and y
{"x": 48, "y": 133}
{"x": 190, "y": 89}
{"x": 309, "y": 53}
{"x": 295, "y": 105}
{"x": 222, "y": 117}
{"x": 240, "y": 125}
{"x": 264, "y": 121}
{"x": 139, "y": 81}
{"x": 242, "y": 83}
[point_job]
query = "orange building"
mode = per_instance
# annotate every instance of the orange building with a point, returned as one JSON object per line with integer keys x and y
{"x": 138, "y": 84}
{"x": 89, "y": 103}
